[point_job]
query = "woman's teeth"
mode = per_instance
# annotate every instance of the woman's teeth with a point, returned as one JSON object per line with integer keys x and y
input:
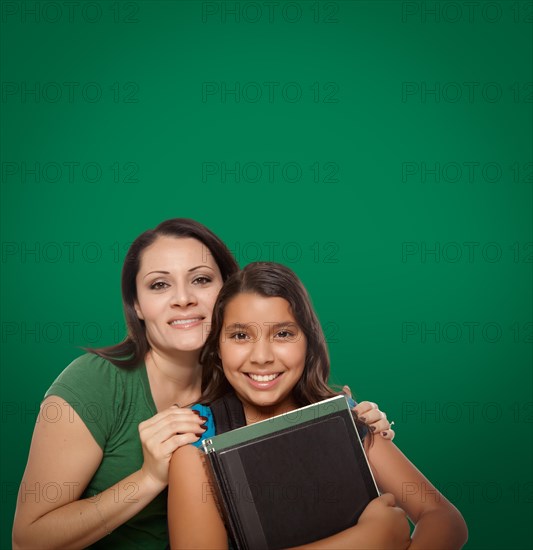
{"x": 184, "y": 321}
{"x": 263, "y": 378}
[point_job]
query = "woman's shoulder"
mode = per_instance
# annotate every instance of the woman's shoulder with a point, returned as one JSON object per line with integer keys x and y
{"x": 88, "y": 365}
{"x": 91, "y": 372}
{"x": 92, "y": 363}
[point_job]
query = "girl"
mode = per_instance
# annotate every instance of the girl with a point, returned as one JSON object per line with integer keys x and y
{"x": 267, "y": 346}
{"x": 109, "y": 424}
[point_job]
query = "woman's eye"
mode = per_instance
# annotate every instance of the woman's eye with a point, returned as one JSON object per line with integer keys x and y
{"x": 158, "y": 285}
{"x": 202, "y": 280}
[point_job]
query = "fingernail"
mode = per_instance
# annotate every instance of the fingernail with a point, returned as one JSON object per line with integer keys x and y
{"x": 362, "y": 419}
{"x": 372, "y": 428}
{"x": 384, "y": 434}
{"x": 195, "y": 412}
{"x": 203, "y": 426}
{"x": 204, "y": 418}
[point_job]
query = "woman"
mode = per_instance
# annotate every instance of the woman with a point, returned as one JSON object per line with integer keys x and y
{"x": 119, "y": 412}
{"x": 266, "y": 346}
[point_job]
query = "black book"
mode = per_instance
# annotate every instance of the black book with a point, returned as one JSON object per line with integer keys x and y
{"x": 292, "y": 479}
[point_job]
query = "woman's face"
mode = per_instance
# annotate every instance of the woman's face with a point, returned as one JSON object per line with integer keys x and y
{"x": 177, "y": 285}
{"x": 262, "y": 350}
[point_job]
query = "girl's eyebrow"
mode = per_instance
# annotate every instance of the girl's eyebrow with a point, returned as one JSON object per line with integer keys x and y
{"x": 237, "y": 326}
{"x": 283, "y": 324}
{"x": 274, "y": 326}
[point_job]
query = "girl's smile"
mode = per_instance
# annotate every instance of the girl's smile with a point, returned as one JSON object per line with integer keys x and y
{"x": 263, "y": 351}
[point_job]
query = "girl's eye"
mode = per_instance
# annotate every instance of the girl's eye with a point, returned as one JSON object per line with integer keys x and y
{"x": 159, "y": 285}
{"x": 287, "y": 335}
{"x": 239, "y": 336}
{"x": 202, "y": 280}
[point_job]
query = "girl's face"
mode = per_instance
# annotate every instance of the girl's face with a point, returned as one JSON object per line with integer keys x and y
{"x": 177, "y": 285}
{"x": 263, "y": 351}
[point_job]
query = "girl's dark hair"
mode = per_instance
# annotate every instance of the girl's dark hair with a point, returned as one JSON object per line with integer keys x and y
{"x": 132, "y": 350}
{"x": 269, "y": 279}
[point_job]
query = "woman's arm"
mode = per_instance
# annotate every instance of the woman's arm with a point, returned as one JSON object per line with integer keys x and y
{"x": 63, "y": 458}
{"x": 438, "y": 524}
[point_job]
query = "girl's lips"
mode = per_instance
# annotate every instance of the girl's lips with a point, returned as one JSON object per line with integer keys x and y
{"x": 263, "y": 382}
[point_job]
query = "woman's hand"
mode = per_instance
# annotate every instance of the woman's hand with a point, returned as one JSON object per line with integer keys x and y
{"x": 387, "y": 525}
{"x": 162, "y": 434}
{"x": 370, "y": 414}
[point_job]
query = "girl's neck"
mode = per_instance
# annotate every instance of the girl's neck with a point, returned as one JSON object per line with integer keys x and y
{"x": 254, "y": 414}
{"x": 174, "y": 379}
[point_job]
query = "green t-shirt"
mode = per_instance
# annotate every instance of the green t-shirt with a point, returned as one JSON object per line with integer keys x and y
{"x": 112, "y": 401}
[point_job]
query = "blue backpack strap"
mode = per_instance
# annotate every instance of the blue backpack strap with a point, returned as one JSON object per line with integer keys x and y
{"x": 204, "y": 411}
{"x": 228, "y": 413}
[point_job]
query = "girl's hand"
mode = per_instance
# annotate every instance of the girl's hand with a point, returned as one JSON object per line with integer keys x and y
{"x": 387, "y": 524}
{"x": 162, "y": 434}
{"x": 370, "y": 414}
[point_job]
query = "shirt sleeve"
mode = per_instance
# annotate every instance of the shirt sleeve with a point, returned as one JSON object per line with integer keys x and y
{"x": 93, "y": 387}
{"x": 205, "y": 411}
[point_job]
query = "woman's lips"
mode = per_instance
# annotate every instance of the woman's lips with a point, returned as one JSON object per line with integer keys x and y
{"x": 186, "y": 323}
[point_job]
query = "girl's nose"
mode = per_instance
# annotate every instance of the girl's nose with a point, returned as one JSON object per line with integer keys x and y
{"x": 262, "y": 353}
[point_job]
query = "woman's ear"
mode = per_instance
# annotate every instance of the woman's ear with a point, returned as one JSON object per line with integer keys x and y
{"x": 138, "y": 310}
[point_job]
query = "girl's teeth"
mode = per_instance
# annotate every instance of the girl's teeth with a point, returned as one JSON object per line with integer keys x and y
{"x": 263, "y": 378}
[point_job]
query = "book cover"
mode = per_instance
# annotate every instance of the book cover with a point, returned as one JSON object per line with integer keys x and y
{"x": 292, "y": 479}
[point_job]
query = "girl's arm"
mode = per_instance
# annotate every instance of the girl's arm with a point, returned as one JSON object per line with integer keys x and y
{"x": 194, "y": 520}
{"x": 193, "y": 517}
{"x": 63, "y": 458}
{"x": 438, "y": 524}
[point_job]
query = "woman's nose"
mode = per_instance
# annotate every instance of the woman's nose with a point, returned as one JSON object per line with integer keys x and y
{"x": 184, "y": 296}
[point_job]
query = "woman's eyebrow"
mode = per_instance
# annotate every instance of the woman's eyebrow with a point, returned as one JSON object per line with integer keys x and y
{"x": 199, "y": 267}
{"x": 157, "y": 271}
{"x": 168, "y": 272}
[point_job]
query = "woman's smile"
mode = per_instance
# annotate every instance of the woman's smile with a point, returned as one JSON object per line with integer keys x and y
{"x": 177, "y": 286}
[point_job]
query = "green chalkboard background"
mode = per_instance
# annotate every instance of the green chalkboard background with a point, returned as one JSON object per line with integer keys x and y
{"x": 381, "y": 149}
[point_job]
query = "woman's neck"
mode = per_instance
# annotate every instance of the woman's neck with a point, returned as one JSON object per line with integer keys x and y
{"x": 174, "y": 379}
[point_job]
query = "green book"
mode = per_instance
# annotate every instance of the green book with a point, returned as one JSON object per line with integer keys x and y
{"x": 292, "y": 479}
